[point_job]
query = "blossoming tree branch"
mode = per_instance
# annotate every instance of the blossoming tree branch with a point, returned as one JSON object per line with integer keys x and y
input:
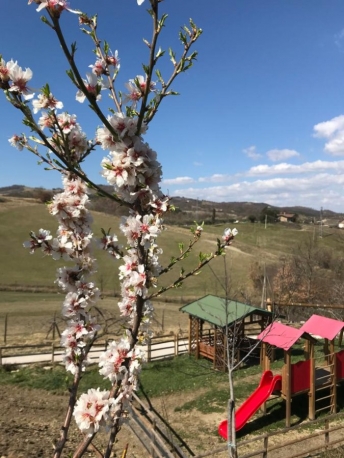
{"x": 132, "y": 168}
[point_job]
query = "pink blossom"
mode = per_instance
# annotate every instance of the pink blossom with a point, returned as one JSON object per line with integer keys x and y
{"x": 19, "y": 79}
{"x": 45, "y": 102}
{"x": 113, "y": 359}
{"x": 92, "y": 410}
{"x": 55, "y": 6}
{"x": 229, "y": 235}
{"x": 93, "y": 86}
{"x": 98, "y": 68}
{"x": 113, "y": 60}
{"x": 5, "y": 70}
{"x": 18, "y": 141}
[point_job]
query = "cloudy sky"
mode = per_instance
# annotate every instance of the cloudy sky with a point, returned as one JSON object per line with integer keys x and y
{"x": 260, "y": 116}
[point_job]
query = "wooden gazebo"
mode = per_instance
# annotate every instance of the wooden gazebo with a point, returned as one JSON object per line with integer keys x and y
{"x": 209, "y": 319}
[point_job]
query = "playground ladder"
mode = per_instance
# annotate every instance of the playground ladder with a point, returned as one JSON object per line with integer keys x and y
{"x": 331, "y": 386}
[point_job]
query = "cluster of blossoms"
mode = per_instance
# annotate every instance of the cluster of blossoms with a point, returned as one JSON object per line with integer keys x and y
{"x": 93, "y": 410}
{"x": 229, "y": 235}
{"x": 136, "y": 89}
{"x": 14, "y": 79}
{"x": 131, "y": 167}
{"x": 72, "y": 243}
{"x": 67, "y": 138}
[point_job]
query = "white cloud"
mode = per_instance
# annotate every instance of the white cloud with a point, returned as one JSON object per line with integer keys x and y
{"x": 321, "y": 189}
{"x": 285, "y": 168}
{"x": 276, "y": 155}
{"x": 333, "y": 131}
{"x": 178, "y": 180}
{"x": 251, "y": 152}
{"x": 198, "y": 164}
{"x": 339, "y": 39}
{"x": 216, "y": 178}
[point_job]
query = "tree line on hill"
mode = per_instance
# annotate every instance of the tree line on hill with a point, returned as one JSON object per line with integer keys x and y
{"x": 312, "y": 274}
{"x": 189, "y": 210}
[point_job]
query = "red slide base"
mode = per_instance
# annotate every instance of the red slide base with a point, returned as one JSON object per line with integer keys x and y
{"x": 267, "y": 385}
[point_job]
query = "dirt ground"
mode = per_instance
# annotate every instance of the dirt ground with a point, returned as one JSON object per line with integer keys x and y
{"x": 30, "y": 421}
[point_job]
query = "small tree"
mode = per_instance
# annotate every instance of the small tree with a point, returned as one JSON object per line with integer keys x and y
{"x": 268, "y": 214}
{"x": 132, "y": 169}
{"x": 233, "y": 342}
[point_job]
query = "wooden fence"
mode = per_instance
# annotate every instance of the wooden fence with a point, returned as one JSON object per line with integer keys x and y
{"x": 329, "y": 432}
{"x": 159, "y": 347}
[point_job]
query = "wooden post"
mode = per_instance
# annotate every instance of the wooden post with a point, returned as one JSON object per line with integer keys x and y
{"x": 190, "y": 331}
{"x": 326, "y": 350}
{"x": 268, "y": 305}
{"x": 215, "y": 347}
{"x": 262, "y": 355}
{"x": 340, "y": 341}
{"x": 54, "y": 324}
{"x": 197, "y": 339}
{"x": 333, "y": 372}
{"x": 176, "y": 345}
{"x": 273, "y": 353}
{"x": 149, "y": 350}
{"x": 0, "y": 356}
{"x": 266, "y": 360}
{"x": 311, "y": 394}
{"x": 306, "y": 353}
{"x": 153, "y": 439}
{"x": 327, "y": 433}
{"x": 225, "y": 351}
{"x": 52, "y": 353}
{"x": 266, "y": 444}
{"x": 5, "y": 329}
{"x": 265, "y": 367}
{"x": 287, "y": 360}
{"x": 125, "y": 451}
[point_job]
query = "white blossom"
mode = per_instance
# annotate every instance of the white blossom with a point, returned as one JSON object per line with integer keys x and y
{"x": 92, "y": 410}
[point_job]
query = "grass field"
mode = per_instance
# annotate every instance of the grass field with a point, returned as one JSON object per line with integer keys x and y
{"x": 254, "y": 243}
{"x": 30, "y": 316}
{"x": 22, "y": 276}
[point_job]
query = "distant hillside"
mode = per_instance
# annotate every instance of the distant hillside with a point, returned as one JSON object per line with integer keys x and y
{"x": 189, "y": 210}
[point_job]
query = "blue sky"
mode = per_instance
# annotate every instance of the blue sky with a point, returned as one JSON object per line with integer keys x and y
{"x": 260, "y": 116}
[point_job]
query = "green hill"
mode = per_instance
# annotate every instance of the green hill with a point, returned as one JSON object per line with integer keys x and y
{"x": 20, "y": 270}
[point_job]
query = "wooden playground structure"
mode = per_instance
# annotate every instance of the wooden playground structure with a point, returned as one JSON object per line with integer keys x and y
{"x": 315, "y": 376}
{"x": 217, "y": 324}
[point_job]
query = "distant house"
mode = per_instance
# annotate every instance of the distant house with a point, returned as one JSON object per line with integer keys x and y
{"x": 341, "y": 224}
{"x": 286, "y": 217}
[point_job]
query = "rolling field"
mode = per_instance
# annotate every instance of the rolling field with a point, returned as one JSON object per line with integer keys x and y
{"x": 30, "y": 316}
{"x": 29, "y": 297}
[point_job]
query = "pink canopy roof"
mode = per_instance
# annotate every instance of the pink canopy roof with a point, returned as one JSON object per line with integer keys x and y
{"x": 327, "y": 328}
{"x": 281, "y": 335}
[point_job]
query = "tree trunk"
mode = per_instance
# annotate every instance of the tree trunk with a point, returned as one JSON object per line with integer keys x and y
{"x": 232, "y": 447}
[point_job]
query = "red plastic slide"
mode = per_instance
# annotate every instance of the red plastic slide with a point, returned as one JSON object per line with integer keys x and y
{"x": 268, "y": 384}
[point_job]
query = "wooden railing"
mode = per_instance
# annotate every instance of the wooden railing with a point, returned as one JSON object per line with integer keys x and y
{"x": 159, "y": 347}
{"x": 261, "y": 446}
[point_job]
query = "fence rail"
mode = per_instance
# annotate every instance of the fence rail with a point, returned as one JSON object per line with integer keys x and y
{"x": 264, "y": 448}
{"x": 159, "y": 347}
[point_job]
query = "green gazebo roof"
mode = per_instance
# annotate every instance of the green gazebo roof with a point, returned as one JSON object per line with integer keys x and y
{"x": 215, "y": 310}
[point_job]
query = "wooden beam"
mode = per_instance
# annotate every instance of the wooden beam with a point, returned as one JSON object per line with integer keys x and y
{"x": 333, "y": 371}
{"x": 306, "y": 304}
{"x": 287, "y": 359}
{"x": 311, "y": 394}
